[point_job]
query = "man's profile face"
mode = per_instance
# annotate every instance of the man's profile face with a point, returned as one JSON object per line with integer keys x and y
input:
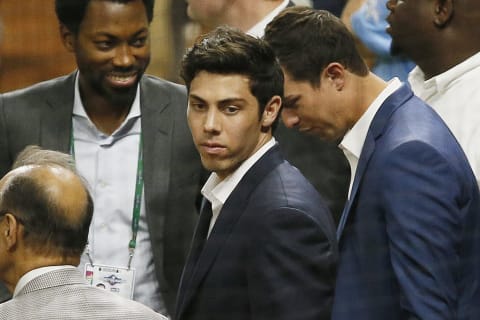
{"x": 409, "y": 24}
{"x": 112, "y": 48}
{"x": 318, "y": 111}
{"x": 223, "y": 116}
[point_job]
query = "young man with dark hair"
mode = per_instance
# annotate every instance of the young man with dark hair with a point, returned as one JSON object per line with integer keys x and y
{"x": 321, "y": 162}
{"x": 128, "y": 134}
{"x": 409, "y": 235}
{"x": 266, "y": 249}
{"x": 45, "y": 215}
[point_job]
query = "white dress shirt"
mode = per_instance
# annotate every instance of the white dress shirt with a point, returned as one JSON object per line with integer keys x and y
{"x": 352, "y": 143}
{"x": 258, "y": 30}
{"x": 109, "y": 164}
{"x": 217, "y": 191}
{"x": 455, "y": 95}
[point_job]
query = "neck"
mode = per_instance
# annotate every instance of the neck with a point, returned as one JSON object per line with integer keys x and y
{"x": 441, "y": 63}
{"x": 25, "y": 263}
{"x": 106, "y": 115}
{"x": 107, "y": 110}
{"x": 245, "y": 14}
{"x": 369, "y": 89}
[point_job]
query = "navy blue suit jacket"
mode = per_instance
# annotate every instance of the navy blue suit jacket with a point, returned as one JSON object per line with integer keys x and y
{"x": 270, "y": 255}
{"x": 409, "y": 238}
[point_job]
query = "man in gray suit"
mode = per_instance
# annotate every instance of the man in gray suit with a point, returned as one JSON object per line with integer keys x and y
{"x": 129, "y": 136}
{"x": 45, "y": 213}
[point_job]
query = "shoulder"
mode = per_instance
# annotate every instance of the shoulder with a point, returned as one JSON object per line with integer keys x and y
{"x": 286, "y": 195}
{"x": 41, "y": 88}
{"x": 123, "y": 308}
{"x": 152, "y": 84}
{"x": 415, "y": 123}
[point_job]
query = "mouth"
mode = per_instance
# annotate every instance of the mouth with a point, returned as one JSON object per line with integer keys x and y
{"x": 389, "y": 25}
{"x": 122, "y": 80}
{"x": 212, "y": 148}
{"x": 305, "y": 129}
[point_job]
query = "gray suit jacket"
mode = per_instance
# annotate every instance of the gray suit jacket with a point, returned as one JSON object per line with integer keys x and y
{"x": 42, "y": 115}
{"x": 63, "y": 294}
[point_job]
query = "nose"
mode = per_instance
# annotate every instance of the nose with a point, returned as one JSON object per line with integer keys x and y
{"x": 123, "y": 56}
{"x": 290, "y": 118}
{"x": 391, "y": 4}
{"x": 212, "y": 121}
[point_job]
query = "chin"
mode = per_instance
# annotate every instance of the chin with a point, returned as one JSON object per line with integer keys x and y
{"x": 395, "y": 49}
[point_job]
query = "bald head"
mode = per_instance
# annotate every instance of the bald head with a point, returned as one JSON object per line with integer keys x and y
{"x": 53, "y": 205}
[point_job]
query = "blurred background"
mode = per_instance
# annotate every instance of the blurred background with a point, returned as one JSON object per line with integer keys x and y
{"x": 31, "y": 50}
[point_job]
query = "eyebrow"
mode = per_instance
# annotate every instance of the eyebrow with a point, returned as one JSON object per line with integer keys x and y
{"x": 221, "y": 102}
{"x": 109, "y": 35}
{"x": 290, "y": 101}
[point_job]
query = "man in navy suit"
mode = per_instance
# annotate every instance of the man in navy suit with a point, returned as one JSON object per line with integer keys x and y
{"x": 322, "y": 163}
{"x": 409, "y": 237}
{"x": 267, "y": 247}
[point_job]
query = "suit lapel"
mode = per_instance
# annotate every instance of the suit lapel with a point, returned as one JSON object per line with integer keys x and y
{"x": 157, "y": 126}
{"x": 56, "y": 122}
{"x": 232, "y": 210}
{"x": 193, "y": 255}
{"x": 377, "y": 127}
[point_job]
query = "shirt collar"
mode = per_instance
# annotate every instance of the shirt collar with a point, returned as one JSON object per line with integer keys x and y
{"x": 258, "y": 30}
{"x": 354, "y": 139}
{"x": 217, "y": 191}
{"x": 79, "y": 109}
{"x": 442, "y": 81}
{"x": 29, "y": 276}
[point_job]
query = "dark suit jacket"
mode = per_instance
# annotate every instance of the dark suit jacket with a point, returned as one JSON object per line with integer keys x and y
{"x": 410, "y": 236}
{"x": 271, "y": 254}
{"x": 334, "y": 6}
{"x": 42, "y": 115}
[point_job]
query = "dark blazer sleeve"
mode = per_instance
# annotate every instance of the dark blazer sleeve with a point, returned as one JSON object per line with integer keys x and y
{"x": 291, "y": 269}
{"x": 423, "y": 203}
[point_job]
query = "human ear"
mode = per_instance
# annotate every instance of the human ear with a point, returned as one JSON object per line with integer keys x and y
{"x": 271, "y": 111}
{"x": 334, "y": 73}
{"x": 67, "y": 37}
{"x": 8, "y": 231}
{"x": 443, "y": 12}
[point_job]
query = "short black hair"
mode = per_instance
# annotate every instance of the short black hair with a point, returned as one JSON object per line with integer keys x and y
{"x": 227, "y": 50}
{"x": 306, "y": 40}
{"x": 71, "y": 12}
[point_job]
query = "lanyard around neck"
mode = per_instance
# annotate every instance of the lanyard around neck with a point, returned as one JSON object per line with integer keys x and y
{"x": 137, "y": 201}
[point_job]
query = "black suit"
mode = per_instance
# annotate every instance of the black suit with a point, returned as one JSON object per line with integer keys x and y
{"x": 271, "y": 253}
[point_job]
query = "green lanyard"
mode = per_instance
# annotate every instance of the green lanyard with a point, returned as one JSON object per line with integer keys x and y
{"x": 137, "y": 201}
